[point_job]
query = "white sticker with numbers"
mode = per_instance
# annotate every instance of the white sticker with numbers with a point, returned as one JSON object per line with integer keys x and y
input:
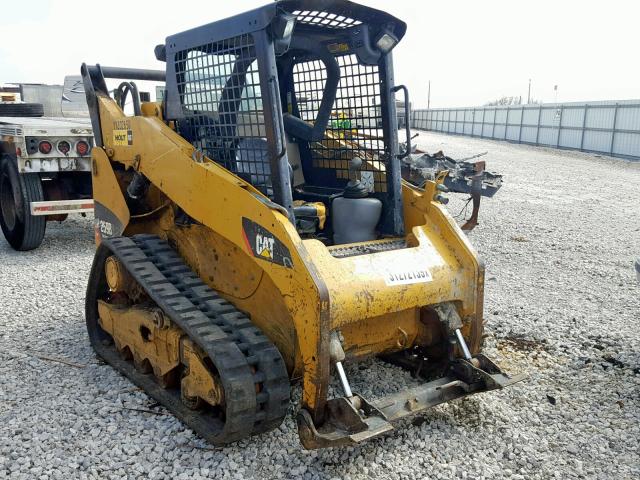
{"x": 407, "y": 276}
{"x": 410, "y": 268}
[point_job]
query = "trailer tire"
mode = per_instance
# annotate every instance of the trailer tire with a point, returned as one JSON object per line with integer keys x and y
{"x": 21, "y": 110}
{"x": 22, "y": 230}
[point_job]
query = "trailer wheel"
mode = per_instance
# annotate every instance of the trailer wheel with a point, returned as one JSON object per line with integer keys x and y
{"x": 22, "y": 230}
{"x": 21, "y": 110}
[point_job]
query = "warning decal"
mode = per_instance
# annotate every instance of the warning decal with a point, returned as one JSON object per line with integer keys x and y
{"x": 122, "y": 133}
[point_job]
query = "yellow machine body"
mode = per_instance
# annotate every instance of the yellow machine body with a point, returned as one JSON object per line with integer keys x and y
{"x": 378, "y": 301}
{"x": 254, "y": 231}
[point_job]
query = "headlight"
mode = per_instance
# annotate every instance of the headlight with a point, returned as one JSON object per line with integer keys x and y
{"x": 283, "y": 25}
{"x": 386, "y": 41}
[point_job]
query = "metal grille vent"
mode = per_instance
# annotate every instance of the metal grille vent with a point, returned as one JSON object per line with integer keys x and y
{"x": 355, "y": 128}
{"x": 325, "y": 19}
{"x": 10, "y": 131}
{"x": 367, "y": 248}
{"x": 219, "y": 87}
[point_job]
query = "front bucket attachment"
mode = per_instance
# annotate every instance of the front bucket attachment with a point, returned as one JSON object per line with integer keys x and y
{"x": 349, "y": 421}
{"x": 353, "y": 420}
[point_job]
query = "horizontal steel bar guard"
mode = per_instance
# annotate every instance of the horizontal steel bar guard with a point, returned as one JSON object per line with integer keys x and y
{"x": 129, "y": 73}
{"x": 61, "y": 207}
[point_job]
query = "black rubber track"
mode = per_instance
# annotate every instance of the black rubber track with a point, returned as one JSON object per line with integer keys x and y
{"x": 27, "y": 231}
{"x": 251, "y": 369}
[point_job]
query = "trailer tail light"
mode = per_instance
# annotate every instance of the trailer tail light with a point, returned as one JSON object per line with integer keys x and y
{"x": 82, "y": 148}
{"x": 45, "y": 147}
{"x": 64, "y": 147}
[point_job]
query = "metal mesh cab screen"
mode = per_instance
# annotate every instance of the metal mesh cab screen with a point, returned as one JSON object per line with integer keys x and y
{"x": 325, "y": 19}
{"x": 219, "y": 88}
{"x": 355, "y": 127}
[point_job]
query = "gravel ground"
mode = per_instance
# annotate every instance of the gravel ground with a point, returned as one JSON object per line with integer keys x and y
{"x": 562, "y": 304}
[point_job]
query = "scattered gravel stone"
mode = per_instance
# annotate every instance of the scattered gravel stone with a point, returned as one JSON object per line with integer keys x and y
{"x": 562, "y": 304}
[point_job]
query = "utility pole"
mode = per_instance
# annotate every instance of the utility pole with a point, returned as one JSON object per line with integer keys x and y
{"x": 529, "y": 94}
{"x": 429, "y": 96}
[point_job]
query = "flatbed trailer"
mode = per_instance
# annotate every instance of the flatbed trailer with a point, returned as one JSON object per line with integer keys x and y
{"x": 45, "y": 174}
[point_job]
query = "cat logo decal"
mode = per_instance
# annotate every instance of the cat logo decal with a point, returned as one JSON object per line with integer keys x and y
{"x": 261, "y": 243}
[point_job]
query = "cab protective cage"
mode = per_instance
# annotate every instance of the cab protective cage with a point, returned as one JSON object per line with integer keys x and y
{"x": 303, "y": 80}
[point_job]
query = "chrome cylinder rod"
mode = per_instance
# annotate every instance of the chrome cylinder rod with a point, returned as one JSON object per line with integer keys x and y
{"x": 343, "y": 379}
{"x": 463, "y": 345}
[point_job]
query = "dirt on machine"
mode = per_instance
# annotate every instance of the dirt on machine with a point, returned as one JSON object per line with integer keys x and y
{"x": 254, "y": 231}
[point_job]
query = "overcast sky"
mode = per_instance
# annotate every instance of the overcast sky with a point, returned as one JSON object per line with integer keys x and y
{"x": 472, "y": 51}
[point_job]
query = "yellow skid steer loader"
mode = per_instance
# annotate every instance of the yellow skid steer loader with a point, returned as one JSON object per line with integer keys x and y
{"x": 246, "y": 240}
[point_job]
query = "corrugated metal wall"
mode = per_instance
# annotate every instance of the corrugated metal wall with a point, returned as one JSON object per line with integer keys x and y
{"x": 611, "y": 128}
{"x": 50, "y": 96}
